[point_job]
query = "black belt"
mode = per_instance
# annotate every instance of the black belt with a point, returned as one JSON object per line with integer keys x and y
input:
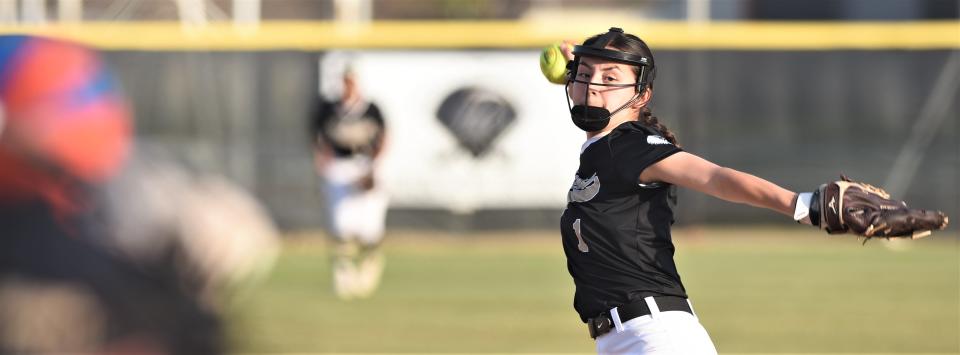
{"x": 603, "y": 323}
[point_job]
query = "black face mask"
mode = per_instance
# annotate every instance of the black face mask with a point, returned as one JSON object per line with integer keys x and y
{"x": 590, "y": 118}
{"x": 593, "y": 118}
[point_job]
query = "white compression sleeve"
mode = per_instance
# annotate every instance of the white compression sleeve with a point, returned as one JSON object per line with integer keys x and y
{"x": 801, "y": 213}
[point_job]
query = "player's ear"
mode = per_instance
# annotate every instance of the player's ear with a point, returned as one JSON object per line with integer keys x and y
{"x": 644, "y": 98}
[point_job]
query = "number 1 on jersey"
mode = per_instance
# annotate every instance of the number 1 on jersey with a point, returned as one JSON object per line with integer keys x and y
{"x": 580, "y": 243}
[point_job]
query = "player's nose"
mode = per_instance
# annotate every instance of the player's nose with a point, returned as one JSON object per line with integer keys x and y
{"x": 594, "y": 90}
{"x": 594, "y": 98}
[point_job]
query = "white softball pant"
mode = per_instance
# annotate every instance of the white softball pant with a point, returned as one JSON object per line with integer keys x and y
{"x": 661, "y": 333}
{"x": 354, "y": 215}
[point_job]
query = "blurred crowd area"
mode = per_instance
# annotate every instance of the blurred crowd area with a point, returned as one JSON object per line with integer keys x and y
{"x": 152, "y": 10}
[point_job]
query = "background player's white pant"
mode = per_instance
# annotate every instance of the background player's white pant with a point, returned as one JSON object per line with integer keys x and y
{"x": 357, "y": 219}
{"x": 355, "y": 215}
{"x": 358, "y": 216}
{"x": 662, "y": 333}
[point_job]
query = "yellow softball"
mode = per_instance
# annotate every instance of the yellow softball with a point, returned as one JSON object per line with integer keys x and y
{"x": 553, "y": 64}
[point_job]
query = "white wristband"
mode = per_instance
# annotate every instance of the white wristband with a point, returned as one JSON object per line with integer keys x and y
{"x": 801, "y": 213}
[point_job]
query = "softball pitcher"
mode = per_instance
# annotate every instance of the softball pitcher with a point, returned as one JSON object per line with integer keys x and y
{"x": 616, "y": 227}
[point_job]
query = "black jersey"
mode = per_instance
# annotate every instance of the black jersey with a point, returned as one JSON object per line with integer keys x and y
{"x": 357, "y": 129}
{"x": 616, "y": 232}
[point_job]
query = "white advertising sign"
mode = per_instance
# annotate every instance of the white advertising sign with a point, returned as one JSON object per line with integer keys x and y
{"x": 527, "y": 152}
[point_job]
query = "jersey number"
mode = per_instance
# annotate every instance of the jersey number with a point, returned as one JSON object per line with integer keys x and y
{"x": 581, "y": 245}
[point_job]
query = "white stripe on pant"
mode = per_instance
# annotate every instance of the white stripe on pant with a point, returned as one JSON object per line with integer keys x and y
{"x": 660, "y": 333}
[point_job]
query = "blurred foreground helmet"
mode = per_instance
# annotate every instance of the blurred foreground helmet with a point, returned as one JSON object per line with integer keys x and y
{"x": 61, "y": 115}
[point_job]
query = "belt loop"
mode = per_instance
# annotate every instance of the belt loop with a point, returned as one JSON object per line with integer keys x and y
{"x": 652, "y": 305}
{"x": 694, "y": 313}
{"x": 615, "y": 316}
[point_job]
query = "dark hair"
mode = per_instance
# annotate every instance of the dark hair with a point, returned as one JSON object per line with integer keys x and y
{"x": 634, "y": 45}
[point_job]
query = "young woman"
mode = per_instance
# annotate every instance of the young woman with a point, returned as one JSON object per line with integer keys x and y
{"x": 616, "y": 227}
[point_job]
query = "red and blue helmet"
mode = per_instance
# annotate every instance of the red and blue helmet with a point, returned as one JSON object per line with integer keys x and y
{"x": 61, "y": 113}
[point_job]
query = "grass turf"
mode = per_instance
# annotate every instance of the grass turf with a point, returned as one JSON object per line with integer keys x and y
{"x": 756, "y": 290}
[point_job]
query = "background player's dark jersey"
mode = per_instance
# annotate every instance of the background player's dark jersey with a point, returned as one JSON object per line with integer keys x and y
{"x": 616, "y": 233}
{"x": 348, "y": 130}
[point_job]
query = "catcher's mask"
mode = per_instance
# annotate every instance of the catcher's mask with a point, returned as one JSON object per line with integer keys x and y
{"x": 592, "y": 118}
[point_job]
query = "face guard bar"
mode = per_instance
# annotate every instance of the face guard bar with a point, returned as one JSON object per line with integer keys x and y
{"x": 599, "y": 50}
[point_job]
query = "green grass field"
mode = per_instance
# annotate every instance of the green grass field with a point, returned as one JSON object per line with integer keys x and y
{"x": 756, "y": 290}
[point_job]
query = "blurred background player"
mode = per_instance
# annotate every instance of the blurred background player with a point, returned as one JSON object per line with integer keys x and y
{"x": 101, "y": 253}
{"x": 348, "y": 132}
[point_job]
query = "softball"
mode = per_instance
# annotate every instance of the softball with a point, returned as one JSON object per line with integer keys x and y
{"x": 553, "y": 65}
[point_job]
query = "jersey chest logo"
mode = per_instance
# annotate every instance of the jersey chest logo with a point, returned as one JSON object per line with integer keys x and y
{"x": 354, "y": 132}
{"x": 584, "y": 190}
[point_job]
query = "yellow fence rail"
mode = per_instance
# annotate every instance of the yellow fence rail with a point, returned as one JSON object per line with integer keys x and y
{"x": 321, "y": 35}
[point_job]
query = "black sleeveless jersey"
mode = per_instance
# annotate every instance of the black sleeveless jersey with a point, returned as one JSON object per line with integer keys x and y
{"x": 616, "y": 232}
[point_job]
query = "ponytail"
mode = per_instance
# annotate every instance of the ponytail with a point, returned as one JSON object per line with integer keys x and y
{"x": 648, "y": 119}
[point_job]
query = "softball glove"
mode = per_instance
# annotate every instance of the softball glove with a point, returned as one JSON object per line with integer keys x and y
{"x": 847, "y": 206}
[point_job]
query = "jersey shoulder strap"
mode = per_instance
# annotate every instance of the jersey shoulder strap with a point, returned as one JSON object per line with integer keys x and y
{"x": 634, "y": 127}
